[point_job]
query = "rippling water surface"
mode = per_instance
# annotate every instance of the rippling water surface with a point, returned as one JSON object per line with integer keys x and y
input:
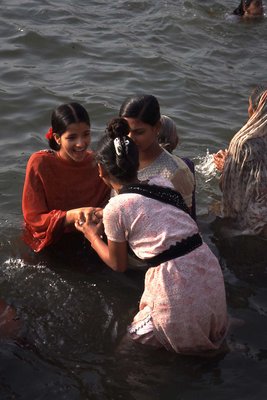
{"x": 201, "y": 64}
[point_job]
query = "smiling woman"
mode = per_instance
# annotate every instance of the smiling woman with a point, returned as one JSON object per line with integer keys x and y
{"x": 74, "y": 142}
{"x": 62, "y": 182}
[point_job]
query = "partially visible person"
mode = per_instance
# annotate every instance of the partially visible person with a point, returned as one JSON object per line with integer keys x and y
{"x": 61, "y": 182}
{"x": 244, "y": 173}
{"x": 168, "y": 137}
{"x": 142, "y": 112}
{"x": 253, "y": 101}
{"x": 249, "y": 8}
{"x": 183, "y": 307}
{"x": 10, "y": 324}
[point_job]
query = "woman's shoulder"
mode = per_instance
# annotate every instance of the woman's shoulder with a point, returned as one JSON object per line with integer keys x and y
{"x": 164, "y": 161}
{"x": 122, "y": 201}
{"x": 41, "y": 156}
{"x": 114, "y": 206}
{"x": 48, "y": 155}
{"x": 180, "y": 162}
{"x": 176, "y": 165}
{"x": 166, "y": 157}
{"x": 160, "y": 181}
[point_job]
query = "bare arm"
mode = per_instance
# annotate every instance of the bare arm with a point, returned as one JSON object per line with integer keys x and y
{"x": 114, "y": 254}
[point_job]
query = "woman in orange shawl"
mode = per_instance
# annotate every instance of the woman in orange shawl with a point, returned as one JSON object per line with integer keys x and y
{"x": 62, "y": 182}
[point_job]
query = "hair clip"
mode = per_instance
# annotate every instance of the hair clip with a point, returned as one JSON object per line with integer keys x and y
{"x": 118, "y": 146}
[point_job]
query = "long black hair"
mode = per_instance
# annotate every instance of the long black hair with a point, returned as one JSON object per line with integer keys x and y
{"x": 63, "y": 116}
{"x": 142, "y": 107}
{"x": 118, "y": 153}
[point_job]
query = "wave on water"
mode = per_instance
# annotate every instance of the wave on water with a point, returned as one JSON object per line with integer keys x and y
{"x": 206, "y": 166}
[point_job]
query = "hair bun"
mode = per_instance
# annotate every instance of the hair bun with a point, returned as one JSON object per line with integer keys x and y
{"x": 117, "y": 127}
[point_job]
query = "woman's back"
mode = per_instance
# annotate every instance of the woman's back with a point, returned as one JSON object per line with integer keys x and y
{"x": 179, "y": 293}
{"x": 151, "y": 226}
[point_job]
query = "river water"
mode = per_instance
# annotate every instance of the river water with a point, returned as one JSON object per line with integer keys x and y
{"x": 202, "y": 65}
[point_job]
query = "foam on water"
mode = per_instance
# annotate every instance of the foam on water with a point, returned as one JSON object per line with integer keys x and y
{"x": 206, "y": 166}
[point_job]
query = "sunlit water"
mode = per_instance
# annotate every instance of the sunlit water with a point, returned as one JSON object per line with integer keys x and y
{"x": 201, "y": 64}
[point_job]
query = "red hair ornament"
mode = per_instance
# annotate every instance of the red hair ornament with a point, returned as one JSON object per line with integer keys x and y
{"x": 49, "y": 134}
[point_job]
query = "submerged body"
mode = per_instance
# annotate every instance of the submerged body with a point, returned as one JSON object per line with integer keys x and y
{"x": 244, "y": 174}
{"x": 52, "y": 186}
{"x": 60, "y": 183}
{"x": 183, "y": 305}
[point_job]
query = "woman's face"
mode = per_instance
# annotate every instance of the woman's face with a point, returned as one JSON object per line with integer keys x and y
{"x": 74, "y": 142}
{"x": 144, "y": 135}
{"x": 254, "y": 9}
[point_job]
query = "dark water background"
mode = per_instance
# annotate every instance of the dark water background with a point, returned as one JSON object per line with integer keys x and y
{"x": 201, "y": 64}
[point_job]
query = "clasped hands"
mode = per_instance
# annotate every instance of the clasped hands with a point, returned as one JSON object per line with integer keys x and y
{"x": 90, "y": 222}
